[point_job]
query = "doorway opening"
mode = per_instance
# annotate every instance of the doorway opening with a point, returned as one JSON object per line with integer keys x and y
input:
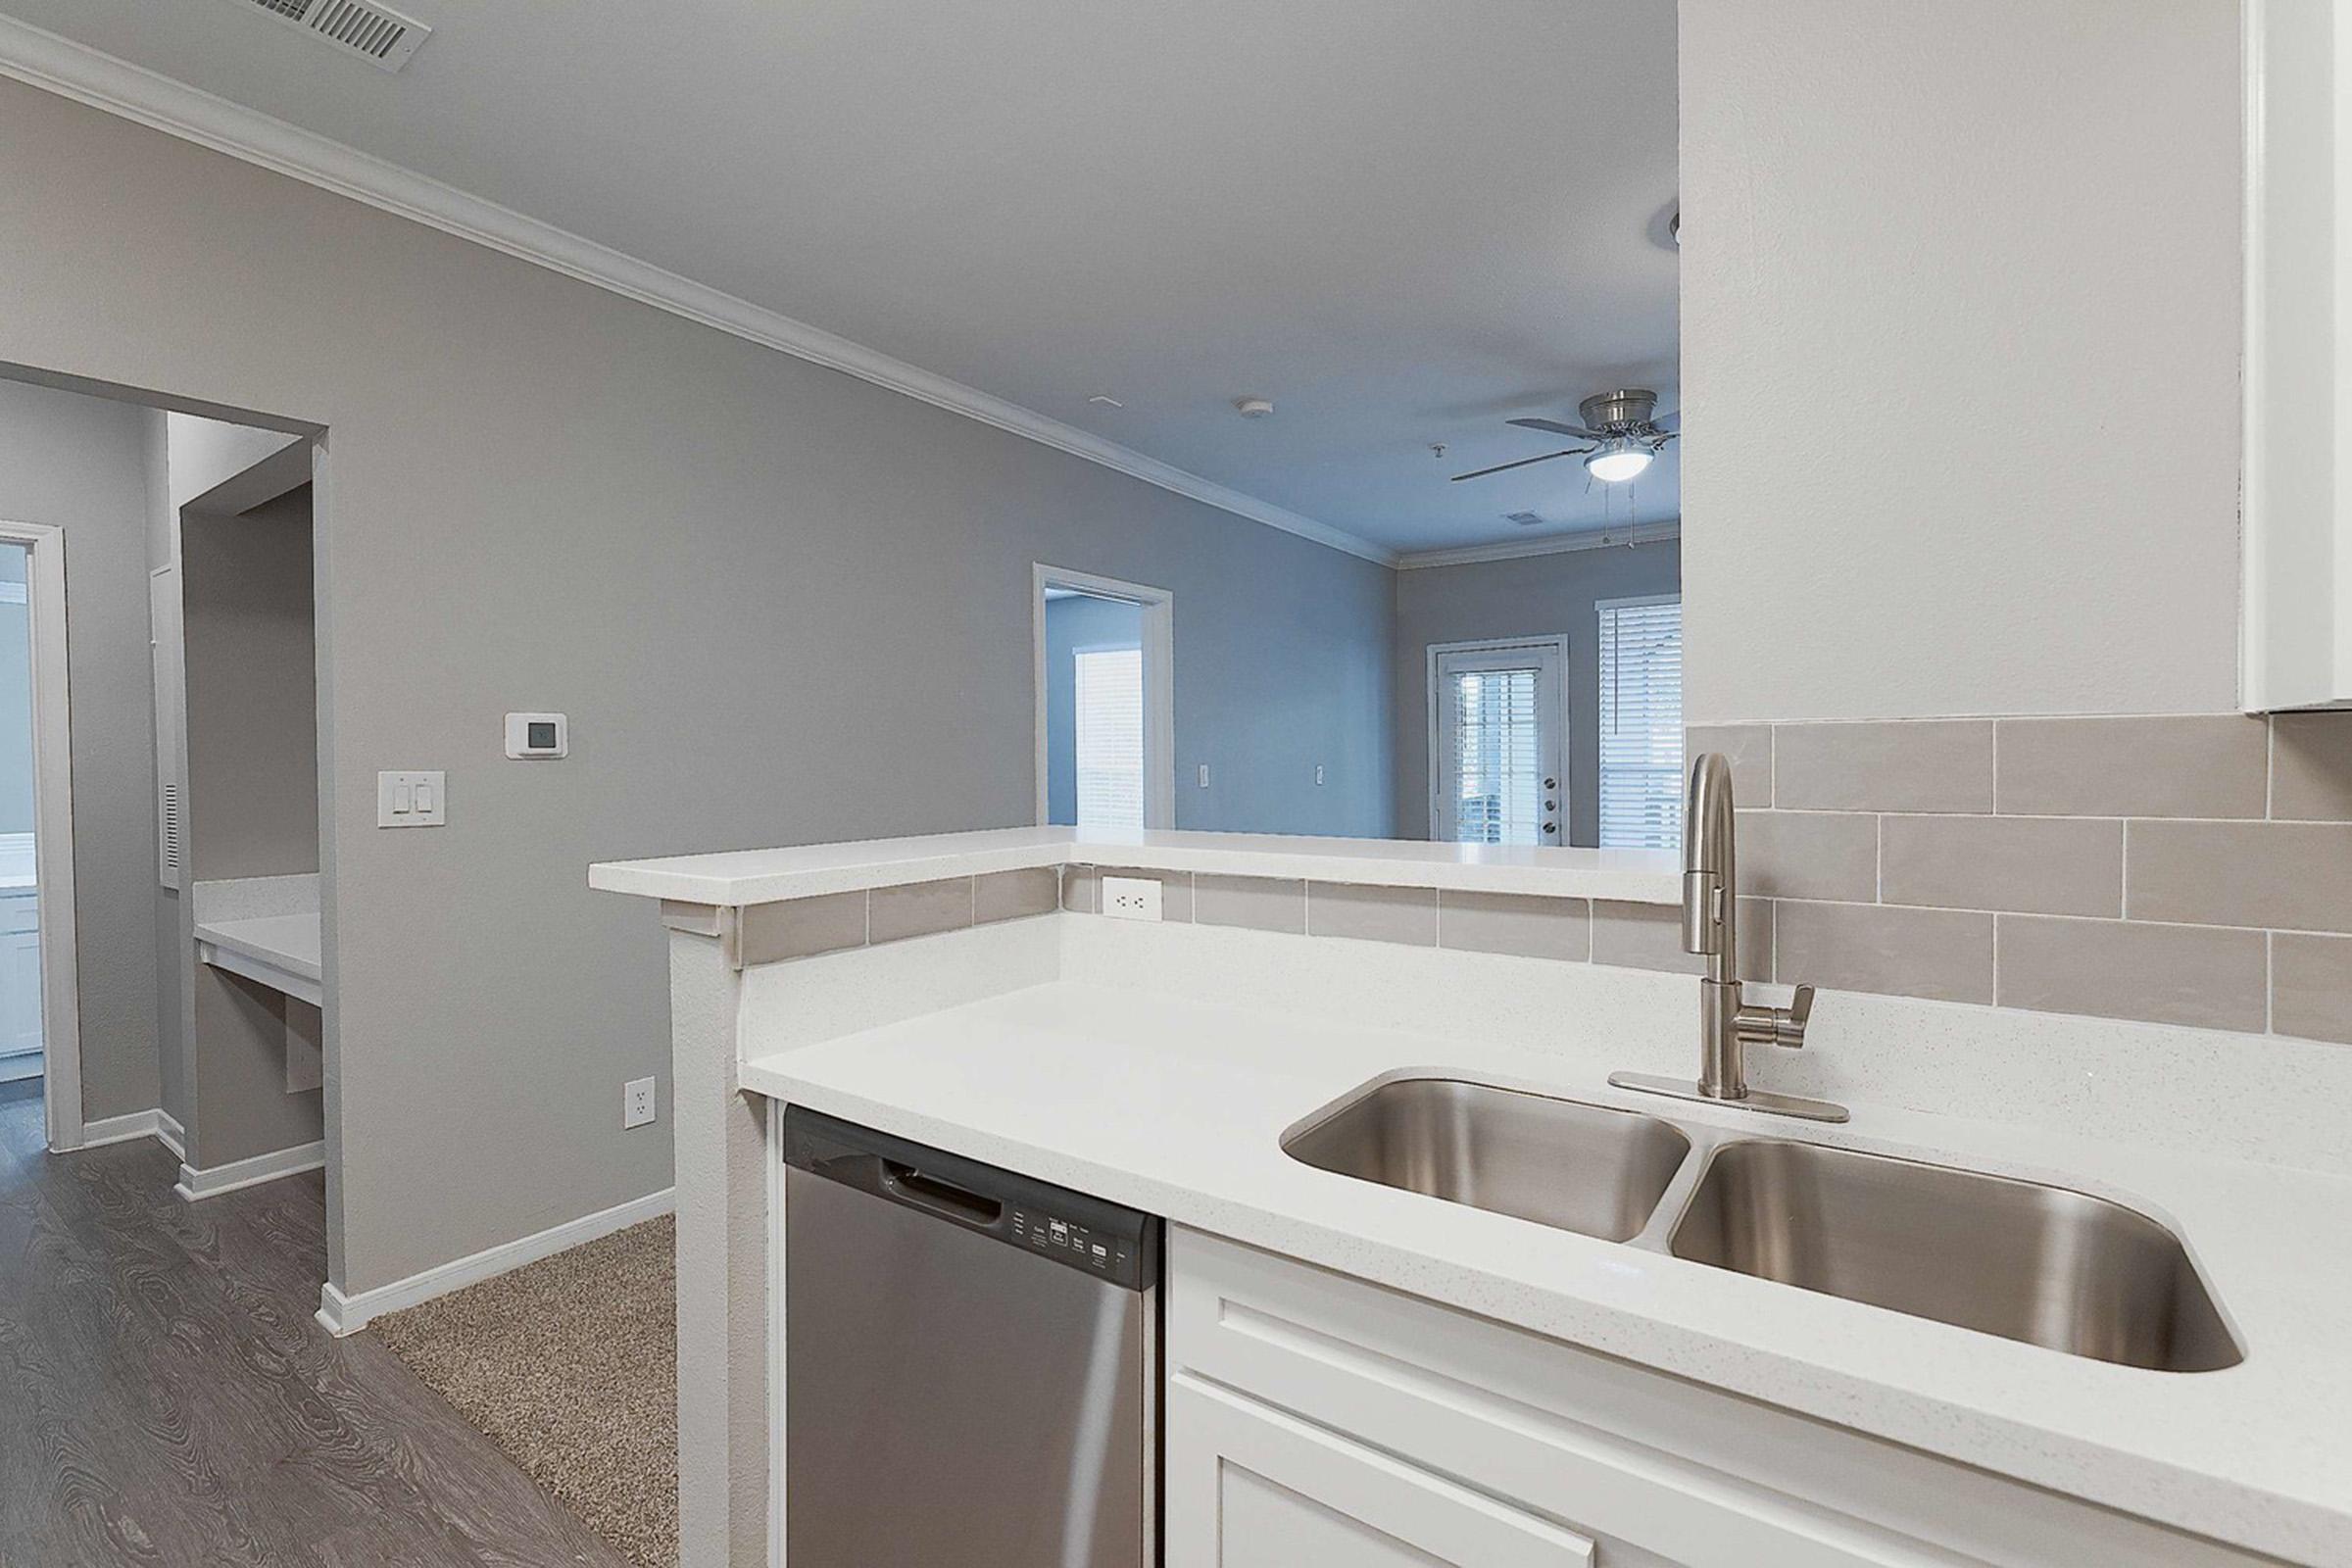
{"x": 1499, "y": 741}
{"x": 40, "y": 1032}
{"x": 1105, "y": 702}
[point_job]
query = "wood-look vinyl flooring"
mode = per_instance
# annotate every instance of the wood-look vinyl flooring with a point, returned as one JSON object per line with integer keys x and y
{"x": 166, "y": 1397}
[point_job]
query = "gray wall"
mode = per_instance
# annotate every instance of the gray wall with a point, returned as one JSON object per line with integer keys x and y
{"x": 82, "y": 464}
{"x": 253, "y": 694}
{"x": 779, "y": 604}
{"x": 1537, "y": 595}
{"x": 1073, "y": 624}
{"x": 15, "y": 701}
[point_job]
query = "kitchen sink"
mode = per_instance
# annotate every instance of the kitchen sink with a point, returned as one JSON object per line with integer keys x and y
{"x": 1559, "y": 1162}
{"x": 2042, "y": 1264}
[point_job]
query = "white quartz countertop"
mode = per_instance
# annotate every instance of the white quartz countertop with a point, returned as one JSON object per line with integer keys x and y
{"x": 1178, "y": 1108}
{"x": 765, "y": 876}
{"x": 288, "y": 941}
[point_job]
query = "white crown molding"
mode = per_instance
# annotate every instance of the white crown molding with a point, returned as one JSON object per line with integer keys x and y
{"x": 1551, "y": 545}
{"x": 88, "y": 76}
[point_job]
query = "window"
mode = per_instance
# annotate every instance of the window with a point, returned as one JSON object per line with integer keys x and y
{"x": 1494, "y": 731}
{"x": 1111, "y": 737}
{"x": 1641, "y": 723}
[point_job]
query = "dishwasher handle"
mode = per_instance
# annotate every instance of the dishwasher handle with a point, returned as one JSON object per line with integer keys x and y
{"x": 1102, "y": 1240}
{"x": 939, "y": 1196}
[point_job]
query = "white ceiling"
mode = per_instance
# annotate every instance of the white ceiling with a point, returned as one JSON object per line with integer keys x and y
{"x": 1403, "y": 223}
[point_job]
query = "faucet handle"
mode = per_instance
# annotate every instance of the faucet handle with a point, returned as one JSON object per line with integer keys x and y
{"x": 1778, "y": 1026}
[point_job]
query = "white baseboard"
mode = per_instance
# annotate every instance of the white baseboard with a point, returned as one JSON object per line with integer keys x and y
{"x": 342, "y": 1315}
{"x": 24, "y": 1064}
{"x": 171, "y": 1135}
{"x": 195, "y": 1185}
{"x": 123, "y": 1128}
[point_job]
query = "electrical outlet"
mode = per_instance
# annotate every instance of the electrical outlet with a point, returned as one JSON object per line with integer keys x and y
{"x": 637, "y": 1103}
{"x": 1318, "y": 774}
{"x": 1131, "y": 898}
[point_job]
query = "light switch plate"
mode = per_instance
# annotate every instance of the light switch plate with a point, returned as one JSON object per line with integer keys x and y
{"x": 411, "y": 800}
{"x": 1131, "y": 898}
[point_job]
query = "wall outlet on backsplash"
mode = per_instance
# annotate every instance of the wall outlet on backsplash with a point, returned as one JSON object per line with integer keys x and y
{"x": 1131, "y": 898}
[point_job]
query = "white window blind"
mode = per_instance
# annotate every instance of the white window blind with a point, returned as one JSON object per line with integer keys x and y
{"x": 1497, "y": 756}
{"x": 1111, "y": 737}
{"x": 1641, "y": 723}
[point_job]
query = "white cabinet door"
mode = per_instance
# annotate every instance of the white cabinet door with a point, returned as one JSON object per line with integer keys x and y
{"x": 1248, "y": 1487}
{"x": 19, "y": 974}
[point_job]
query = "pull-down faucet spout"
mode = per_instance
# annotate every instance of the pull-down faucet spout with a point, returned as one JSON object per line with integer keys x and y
{"x": 1728, "y": 1025}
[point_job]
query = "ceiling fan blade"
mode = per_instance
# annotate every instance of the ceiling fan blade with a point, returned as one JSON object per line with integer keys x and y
{"x": 1480, "y": 473}
{"x": 1557, "y": 429}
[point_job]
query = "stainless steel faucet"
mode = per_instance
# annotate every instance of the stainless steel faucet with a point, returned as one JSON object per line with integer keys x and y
{"x": 1728, "y": 1025}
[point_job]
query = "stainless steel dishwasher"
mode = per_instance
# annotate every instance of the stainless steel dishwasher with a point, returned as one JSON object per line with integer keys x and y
{"x": 971, "y": 1362}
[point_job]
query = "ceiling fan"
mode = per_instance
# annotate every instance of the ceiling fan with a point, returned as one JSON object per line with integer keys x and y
{"x": 1619, "y": 425}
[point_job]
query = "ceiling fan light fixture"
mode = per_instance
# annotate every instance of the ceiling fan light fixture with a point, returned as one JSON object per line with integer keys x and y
{"x": 1616, "y": 461}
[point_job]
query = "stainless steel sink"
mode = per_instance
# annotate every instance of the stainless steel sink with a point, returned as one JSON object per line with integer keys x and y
{"x": 1559, "y": 1162}
{"x": 2042, "y": 1264}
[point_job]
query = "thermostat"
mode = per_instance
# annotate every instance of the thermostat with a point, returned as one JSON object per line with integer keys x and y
{"x": 537, "y": 735}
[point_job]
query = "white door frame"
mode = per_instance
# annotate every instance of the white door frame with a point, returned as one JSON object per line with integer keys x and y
{"x": 1555, "y": 645}
{"x": 53, "y": 828}
{"x": 1158, "y": 606}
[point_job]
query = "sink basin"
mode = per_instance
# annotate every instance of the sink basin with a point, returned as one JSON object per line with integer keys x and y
{"x": 1559, "y": 1162}
{"x": 2041, "y": 1264}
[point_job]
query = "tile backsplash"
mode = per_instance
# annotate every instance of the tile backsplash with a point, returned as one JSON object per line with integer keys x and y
{"x": 2193, "y": 870}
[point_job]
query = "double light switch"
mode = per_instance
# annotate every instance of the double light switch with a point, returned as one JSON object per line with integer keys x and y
{"x": 411, "y": 800}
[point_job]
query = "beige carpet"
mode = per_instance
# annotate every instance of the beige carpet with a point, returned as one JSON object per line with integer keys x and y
{"x": 569, "y": 1365}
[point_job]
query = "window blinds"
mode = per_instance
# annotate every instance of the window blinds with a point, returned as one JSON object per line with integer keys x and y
{"x": 1497, "y": 756}
{"x": 1111, "y": 738}
{"x": 1641, "y": 724}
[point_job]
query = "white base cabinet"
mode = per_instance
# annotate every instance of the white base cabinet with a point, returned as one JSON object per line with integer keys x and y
{"x": 1315, "y": 1421}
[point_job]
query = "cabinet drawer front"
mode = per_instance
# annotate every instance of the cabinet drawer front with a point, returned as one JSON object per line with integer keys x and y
{"x": 1628, "y": 1455}
{"x": 1249, "y": 1486}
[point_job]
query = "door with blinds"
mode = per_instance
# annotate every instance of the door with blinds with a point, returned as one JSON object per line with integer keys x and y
{"x": 1498, "y": 772}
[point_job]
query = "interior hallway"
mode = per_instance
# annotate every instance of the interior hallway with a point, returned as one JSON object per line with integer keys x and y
{"x": 167, "y": 1399}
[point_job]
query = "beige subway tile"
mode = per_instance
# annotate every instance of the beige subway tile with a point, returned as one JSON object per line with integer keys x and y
{"x": 2311, "y": 767}
{"x": 2311, "y": 986}
{"x": 1264, "y": 902}
{"x": 2029, "y": 865}
{"x": 1810, "y": 854}
{"x": 1078, "y": 889}
{"x": 2293, "y": 876}
{"x": 1408, "y": 915}
{"x": 1941, "y": 953}
{"x": 919, "y": 909}
{"x": 1907, "y": 765}
{"x": 1014, "y": 895}
{"x": 1649, "y": 936}
{"x": 2198, "y": 975}
{"x": 2212, "y": 765}
{"x": 1175, "y": 888}
{"x": 800, "y": 927}
{"x": 1749, "y": 748}
{"x": 1524, "y": 925}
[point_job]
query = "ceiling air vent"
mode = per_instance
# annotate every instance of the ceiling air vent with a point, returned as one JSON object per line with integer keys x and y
{"x": 380, "y": 36}
{"x": 1525, "y": 519}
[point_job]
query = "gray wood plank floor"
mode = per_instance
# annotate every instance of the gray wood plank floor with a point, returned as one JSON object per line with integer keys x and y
{"x": 167, "y": 1399}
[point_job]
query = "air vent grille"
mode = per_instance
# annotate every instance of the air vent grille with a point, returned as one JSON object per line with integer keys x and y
{"x": 375, "y": 34}
{"x": 1525, "y": 519}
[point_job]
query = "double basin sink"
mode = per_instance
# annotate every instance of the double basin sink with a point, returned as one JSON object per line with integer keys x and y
{"x": 2043, "y": 1264}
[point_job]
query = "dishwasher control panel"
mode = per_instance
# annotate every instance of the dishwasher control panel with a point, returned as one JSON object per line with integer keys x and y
{"x": 1103, "y": 1250}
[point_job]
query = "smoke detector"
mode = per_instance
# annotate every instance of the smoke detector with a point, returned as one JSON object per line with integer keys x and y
{"x": 378, "y": 34}
{"x": 1255, "y": 408}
